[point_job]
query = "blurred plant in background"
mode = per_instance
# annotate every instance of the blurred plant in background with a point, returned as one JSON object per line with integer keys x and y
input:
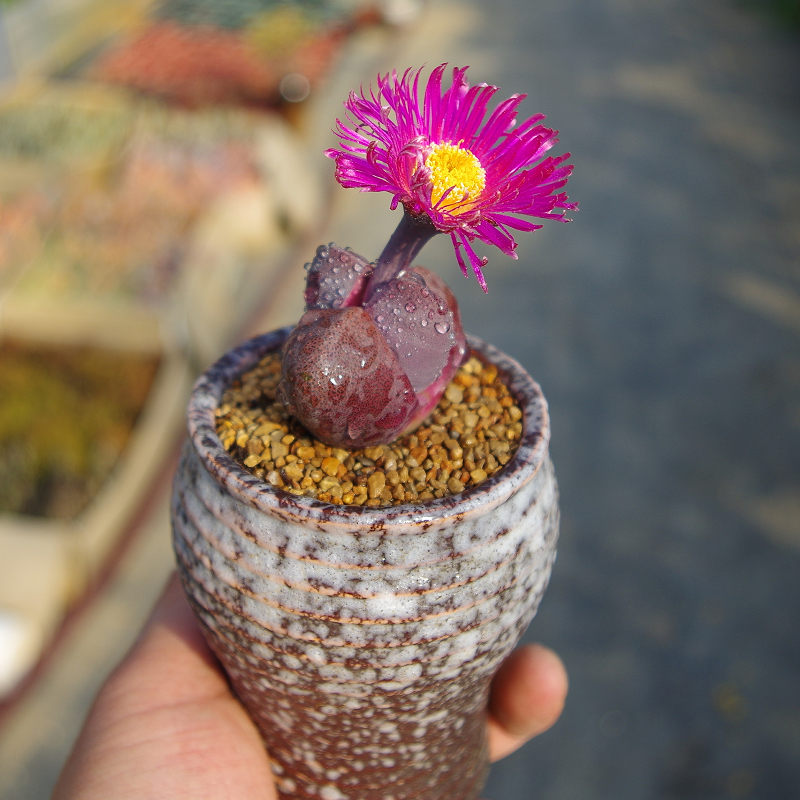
{"x": 65, "y": 418}
{"x": 153, "y": 186}
{"x": 197, "y": 52}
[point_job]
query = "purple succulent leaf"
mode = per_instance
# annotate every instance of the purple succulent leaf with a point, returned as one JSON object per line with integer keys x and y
{"x": 430, "y": 396}
{"x": 337, "y": 278}
{"x": 418, "y": 316}
{"x": 342, "y": 380}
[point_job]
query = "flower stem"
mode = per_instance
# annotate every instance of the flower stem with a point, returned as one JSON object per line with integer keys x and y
{"x": 410, "y": 236}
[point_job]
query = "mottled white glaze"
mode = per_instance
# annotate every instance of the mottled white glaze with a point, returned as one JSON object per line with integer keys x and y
{"x": 361, "y": 640}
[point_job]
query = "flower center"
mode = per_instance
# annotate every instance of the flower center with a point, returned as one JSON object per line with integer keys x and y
{"x": 456, "y": 168}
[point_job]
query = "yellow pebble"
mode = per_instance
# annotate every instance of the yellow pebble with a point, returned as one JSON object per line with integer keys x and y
{"x": 374, "y": 452}
{"x": 266, "y": 428}
{"x": 455, "y": 485}
{"x": 478, "y": 476}
{"x": 294, "y": 471}
{"x": 376, "y": 483}
{"x": 418, "y": 474}
{"x": 454, "y": 394}
{"x": 279, "y": 450}
{"x": 274, "y": 477}
{"x": 330, "y": 466}
{"x": 471, "y": 419}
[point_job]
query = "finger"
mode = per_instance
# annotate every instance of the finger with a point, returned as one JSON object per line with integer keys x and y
{"x": 166, "y": 724}
{"x": 174, "y": 612}
{"x": 527, "y": 697}
{"x": 170, "y": 660}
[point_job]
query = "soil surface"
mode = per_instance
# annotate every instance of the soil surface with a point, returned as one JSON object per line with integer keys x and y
{"x": 470, "y": 435}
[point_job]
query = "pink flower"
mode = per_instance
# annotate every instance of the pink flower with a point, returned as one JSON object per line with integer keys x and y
{"x": 472, "y": 176}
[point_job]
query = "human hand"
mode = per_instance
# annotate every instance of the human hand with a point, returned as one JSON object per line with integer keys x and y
{"x": 165, "y": 724}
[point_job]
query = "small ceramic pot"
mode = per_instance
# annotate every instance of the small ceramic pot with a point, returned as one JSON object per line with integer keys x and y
{"x": 362, "y": 640}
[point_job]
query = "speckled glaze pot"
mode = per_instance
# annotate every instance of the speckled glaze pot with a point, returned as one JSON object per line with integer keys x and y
{"x": 362, "y": 641}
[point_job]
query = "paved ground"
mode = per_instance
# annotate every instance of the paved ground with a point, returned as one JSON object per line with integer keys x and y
{"x": 663, "y": 325}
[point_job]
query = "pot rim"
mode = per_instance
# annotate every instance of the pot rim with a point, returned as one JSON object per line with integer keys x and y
{"x": 521, "y": 468}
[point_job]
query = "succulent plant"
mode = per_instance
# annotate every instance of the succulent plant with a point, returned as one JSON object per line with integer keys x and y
{"x": 360, "y": 369}
{"x": 379, "y": 342}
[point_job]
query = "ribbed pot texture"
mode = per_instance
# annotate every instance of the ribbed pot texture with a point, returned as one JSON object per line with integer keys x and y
{"x": 362, "y": 641}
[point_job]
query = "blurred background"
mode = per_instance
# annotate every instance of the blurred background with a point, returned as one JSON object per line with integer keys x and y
{"x": 161, "y": 184}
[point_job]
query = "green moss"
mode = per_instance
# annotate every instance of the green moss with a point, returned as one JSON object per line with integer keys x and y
{"x": 65, "y": 417}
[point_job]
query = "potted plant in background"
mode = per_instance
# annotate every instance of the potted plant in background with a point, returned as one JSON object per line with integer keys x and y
{"x": 365, "y": 516}
{"x": 124, "y": 226}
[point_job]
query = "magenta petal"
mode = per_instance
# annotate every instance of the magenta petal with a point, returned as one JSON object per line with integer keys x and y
{"x": 341, "y": 379}
{"x": 476, "y": 262}
{"x": 390, "y": 134}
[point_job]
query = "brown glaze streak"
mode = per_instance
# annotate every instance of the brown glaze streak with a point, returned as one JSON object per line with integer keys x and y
{"x": 337, "y": 634}
{"x": 462, "y": 565}
{"x": 223, "y": 508}
{"x": 346, "y": 668}
{"x": 361, "y": 640}
{"x": 491, "y": 579}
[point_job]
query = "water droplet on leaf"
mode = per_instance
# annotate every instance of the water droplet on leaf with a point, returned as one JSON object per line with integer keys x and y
{"x": 441, "y": 327}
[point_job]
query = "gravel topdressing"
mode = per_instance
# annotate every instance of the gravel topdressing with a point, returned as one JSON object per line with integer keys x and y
{"x": 470, "y": 435}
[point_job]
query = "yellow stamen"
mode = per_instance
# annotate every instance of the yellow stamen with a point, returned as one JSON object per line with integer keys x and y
{"x": 456, "y": 168}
